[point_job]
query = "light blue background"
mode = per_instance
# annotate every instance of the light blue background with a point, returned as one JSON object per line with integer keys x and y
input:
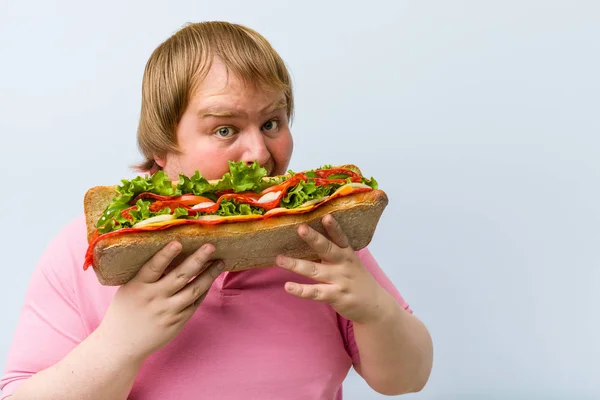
{"x": 479, "y": 119}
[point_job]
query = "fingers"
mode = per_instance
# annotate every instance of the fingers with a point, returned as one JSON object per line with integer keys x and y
{"x": 335, "y": 232}
{"x": 195, "y": 291}
{"x": 310, "y": 269}
{"x": 325, "y": 248}
{"x": 319, "y": 292}
{"x": 153, "y": 270}
{"x": 192, "y": 266}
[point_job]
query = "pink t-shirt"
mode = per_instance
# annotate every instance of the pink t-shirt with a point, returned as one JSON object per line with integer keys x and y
{"x": 249, "y": 339}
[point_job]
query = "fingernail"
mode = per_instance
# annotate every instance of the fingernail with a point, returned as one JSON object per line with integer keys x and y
{"x": 281, "y": 261}
{"x": 220, "y": 265}
{"x": 303, "y": 230}
{"x": 175, "y": 246}
{"x": 290, "y": 287}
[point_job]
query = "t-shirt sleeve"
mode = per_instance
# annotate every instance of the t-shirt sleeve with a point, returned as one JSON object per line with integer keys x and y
{"x": 346, "y": 325}
{"x": 49, "y": 325}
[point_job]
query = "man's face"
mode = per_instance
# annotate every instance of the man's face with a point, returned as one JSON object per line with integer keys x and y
{"x": 228, "y": 120}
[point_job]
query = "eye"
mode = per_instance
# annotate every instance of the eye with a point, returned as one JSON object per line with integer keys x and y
{"x": 225, "y": 132}
{"x": 271, "y": 125}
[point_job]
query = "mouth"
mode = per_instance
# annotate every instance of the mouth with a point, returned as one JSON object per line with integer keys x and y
{"x": 270, "y": 167}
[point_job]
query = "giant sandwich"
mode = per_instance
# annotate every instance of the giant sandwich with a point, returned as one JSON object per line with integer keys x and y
{"x": 249, "y": 217}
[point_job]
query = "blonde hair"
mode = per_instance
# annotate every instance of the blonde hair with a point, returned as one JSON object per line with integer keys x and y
{"x": 179, "y": 64}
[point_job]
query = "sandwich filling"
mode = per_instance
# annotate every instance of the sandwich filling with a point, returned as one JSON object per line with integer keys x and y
{"x": 244, "y": 193}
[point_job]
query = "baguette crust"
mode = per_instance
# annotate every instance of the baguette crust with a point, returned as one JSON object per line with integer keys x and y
{"x": 241, "y": 245}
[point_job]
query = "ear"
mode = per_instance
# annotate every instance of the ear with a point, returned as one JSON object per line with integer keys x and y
{"x": 161, "y": 161}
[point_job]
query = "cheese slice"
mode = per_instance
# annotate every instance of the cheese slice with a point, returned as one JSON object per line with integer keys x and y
{"x": 156, "y": 219}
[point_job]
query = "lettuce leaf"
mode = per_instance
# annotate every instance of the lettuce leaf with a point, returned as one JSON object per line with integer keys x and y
{"x": 305, "y": 191}
{"x": 246, "y": 177}
{"x": 196, "y": 184}
{"x": 180, "y": 212}
{"x": 240, "y": 178}
{"x": 273, "y": 181}
{"x": 229, "y": 208}
{"x": 158, "y": 183}
{"x": 371, "y": 182}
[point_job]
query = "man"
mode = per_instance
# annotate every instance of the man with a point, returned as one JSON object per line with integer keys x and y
{"x": 215, "y": 92}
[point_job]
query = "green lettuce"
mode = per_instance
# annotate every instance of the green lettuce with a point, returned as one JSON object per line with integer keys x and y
{"x": 159, "y": 183}
{"x": 370, "y": 182}
{"x": 241, "y": 178}
{"x": 196, "y": 184}
{"x": 228, "y": 208}
{"x": 305, "y": 191}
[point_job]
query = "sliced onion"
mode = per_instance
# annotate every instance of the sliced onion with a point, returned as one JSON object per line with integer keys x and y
{"x": 269, "y": 197}
{"x": 276, "y": 210}
{"x": 206, "y": 204}
{"x": 155, "y": 219}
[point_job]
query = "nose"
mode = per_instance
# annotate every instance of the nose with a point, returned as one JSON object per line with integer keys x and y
{"x": 255, "y": 149}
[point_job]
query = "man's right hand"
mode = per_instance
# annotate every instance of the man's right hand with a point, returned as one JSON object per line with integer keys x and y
{"x": 147, "y": 312}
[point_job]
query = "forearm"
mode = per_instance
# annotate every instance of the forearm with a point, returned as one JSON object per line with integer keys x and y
{"x": 93, "y": 370}
{"x": 395, "y": 350}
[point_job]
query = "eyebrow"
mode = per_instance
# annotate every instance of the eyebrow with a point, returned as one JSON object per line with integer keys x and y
{"x": 279, "y": 104}
{"x": 224, "y": 113}
{"x": 218, "y": 113}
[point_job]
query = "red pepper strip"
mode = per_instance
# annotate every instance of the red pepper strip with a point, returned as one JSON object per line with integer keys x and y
{"x": 188, "y": 199}
{"x": 325, "y": 173}
{"x": 125, "y": 213}
{"x": 285, "y": 184}
{"x": 222, "y": 192}
{"x": 325, "y": 182}
{"x": 172, "y": 205}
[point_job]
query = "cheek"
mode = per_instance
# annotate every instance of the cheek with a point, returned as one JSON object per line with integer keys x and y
{"x": 281, "y": 150}
{"x": 199, "y": 152}
{"x": 210, "y": 161}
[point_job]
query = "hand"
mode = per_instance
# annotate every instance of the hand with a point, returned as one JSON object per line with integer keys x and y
{"x": 344, "y": 282}
{"x": 147, "y": 312}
